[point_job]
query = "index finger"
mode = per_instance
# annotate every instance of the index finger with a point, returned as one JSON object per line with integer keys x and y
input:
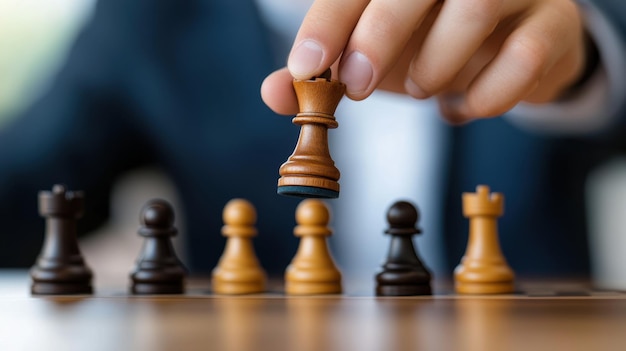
{"x": 323, "y": 35}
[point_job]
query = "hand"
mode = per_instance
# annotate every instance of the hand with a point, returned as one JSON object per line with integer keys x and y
{"x": 479, "y": 58}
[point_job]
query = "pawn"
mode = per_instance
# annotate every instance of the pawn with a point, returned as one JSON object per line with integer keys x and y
{"x": 238, "y": 270}
{"x": 60, "y": 268}
{"x": 158, "y": 270}
{"x": 483, "y": 269}
{"x": 403, "y": 273}
{"x": 312, "y": 270}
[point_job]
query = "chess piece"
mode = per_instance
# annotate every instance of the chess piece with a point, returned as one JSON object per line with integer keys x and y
{"x": 60, "y": 268}
{"x": 158, "y": 270}
{"x": 312, "y": 270}
{"x": 403, "y": 273}
{"x": 238, "y": 270}
{"x": 310, "y": 171}
{"x": 483, "y": 269}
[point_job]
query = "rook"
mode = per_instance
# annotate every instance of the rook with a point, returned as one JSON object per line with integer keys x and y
{"x": 60, "y": 268}
{"x": 483, "y": 269}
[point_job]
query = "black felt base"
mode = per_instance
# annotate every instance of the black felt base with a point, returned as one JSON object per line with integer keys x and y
{"x": 307, "y": 191}
{"x": 154, "y": 289}
{"x": 403, "y": 290}
{"x": 61, "y": 289}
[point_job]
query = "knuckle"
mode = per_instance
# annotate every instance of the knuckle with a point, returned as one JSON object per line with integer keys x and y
{"x": 429, "y": 79}
{"x": 531, "y": 55}
{"x": 484, "y": 111}
{"x": 483, "y": 108}
{"x": 481, "y": 10}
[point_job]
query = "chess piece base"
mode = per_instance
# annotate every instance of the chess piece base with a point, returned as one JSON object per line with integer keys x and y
{"x": 61, "y": 289}
{"x": 403, "y": 290}
{"x": 238, "y": 282}
{"x": 313, "y": 288}
{"x": 154, "y": 289}
{"x": 307, "y": 191}
{"x": 484, "y": 288}
{"x": 233, "y": 288}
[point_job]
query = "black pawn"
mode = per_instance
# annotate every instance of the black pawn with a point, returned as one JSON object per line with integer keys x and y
{"x": 403, "y": 273}
{"x": 60, "y": 268}
{"x": 158, "y": 269}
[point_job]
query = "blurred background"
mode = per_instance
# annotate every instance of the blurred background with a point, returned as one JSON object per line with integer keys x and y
{"x": 35, "y": 37}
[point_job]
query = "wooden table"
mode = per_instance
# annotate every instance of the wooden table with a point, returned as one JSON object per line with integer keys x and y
{"x": 112, "y": 320}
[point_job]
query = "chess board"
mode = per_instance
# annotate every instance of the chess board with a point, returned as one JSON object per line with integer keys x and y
{"x": 542, "y": 315}
{"x": 532, "y": 314}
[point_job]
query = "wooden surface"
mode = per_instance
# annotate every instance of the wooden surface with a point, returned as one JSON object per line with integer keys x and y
{"x": 112, "y": 320}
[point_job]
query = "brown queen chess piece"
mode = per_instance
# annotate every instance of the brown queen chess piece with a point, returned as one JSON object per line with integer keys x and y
{"x": 310, "y": 171}
{"x": 483, "y": 268}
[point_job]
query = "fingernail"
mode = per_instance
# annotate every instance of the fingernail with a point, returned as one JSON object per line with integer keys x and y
{"x": 413, "y": 90}
{"x": 305, "y": 59}
{"x": 356, "y": 73}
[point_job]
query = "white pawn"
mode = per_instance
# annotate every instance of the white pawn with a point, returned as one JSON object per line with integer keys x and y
{"x": 238, "y": 270}
{"x": 312, "y": 270}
